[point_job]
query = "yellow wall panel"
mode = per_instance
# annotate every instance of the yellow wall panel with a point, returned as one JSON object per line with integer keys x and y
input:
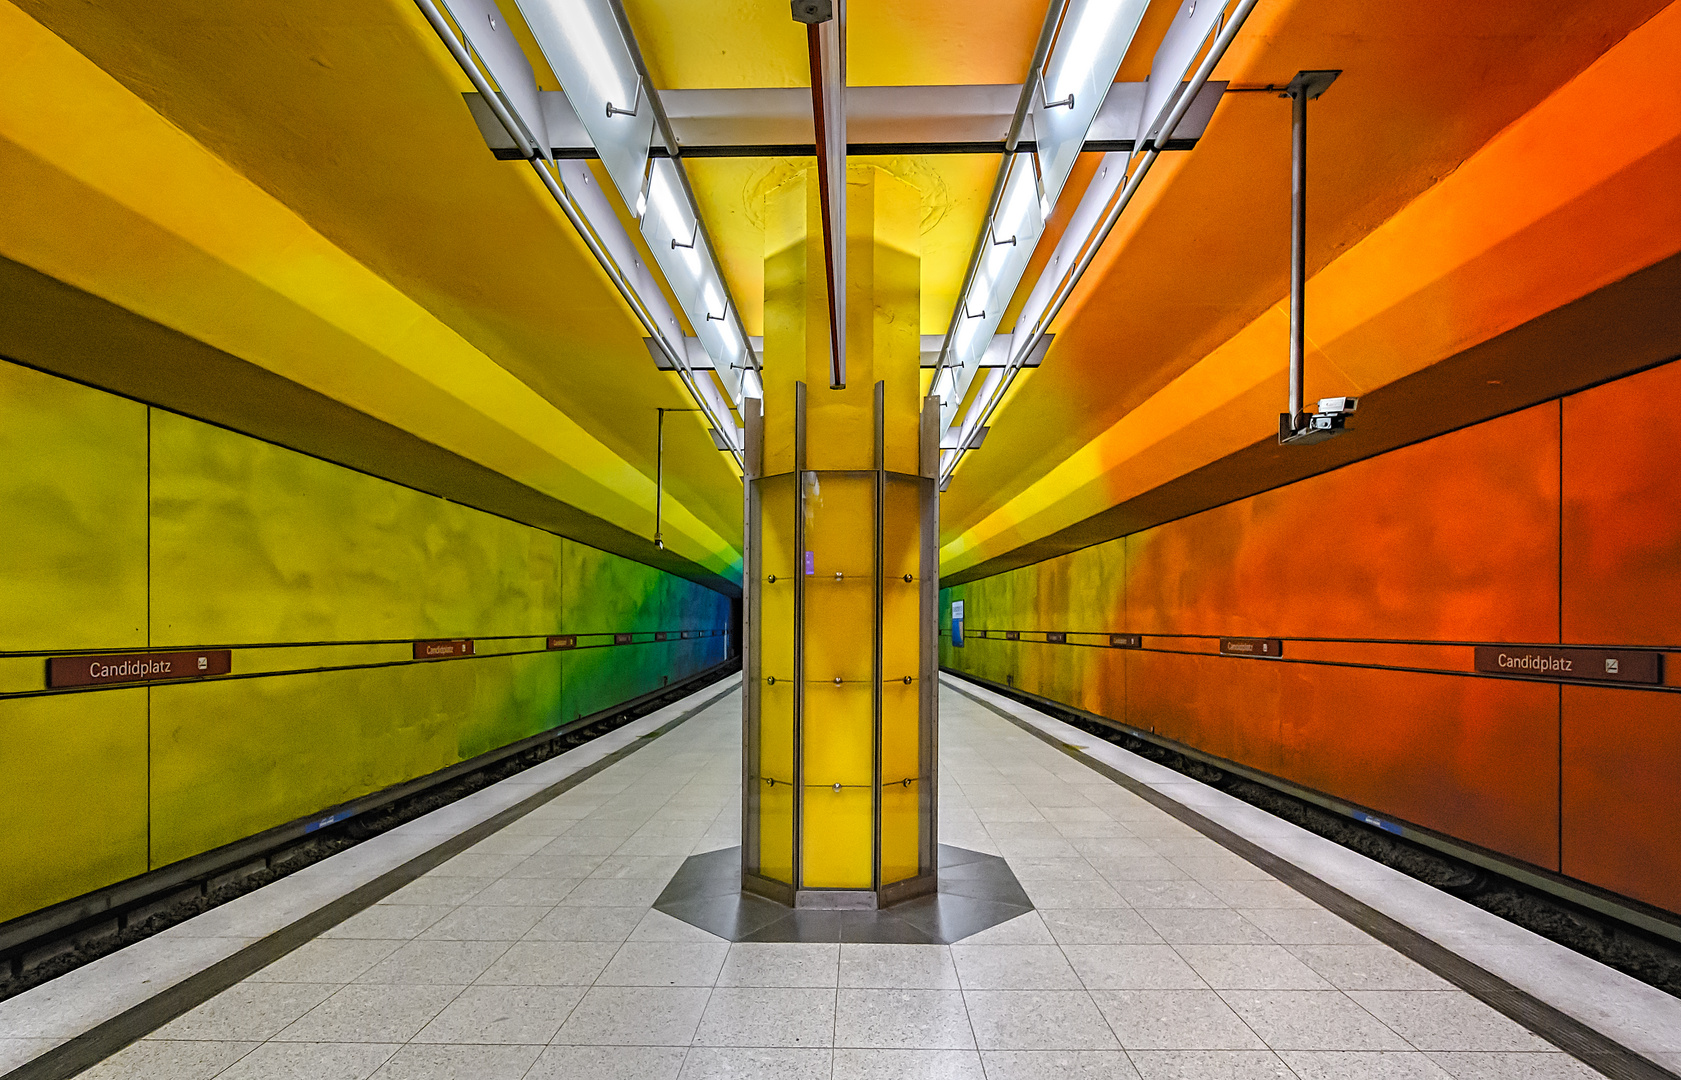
{"x": 255, "y": 543}
{"x": 237, "y": 757}
{"x": 72, "y": 515}
{"x": 73, "y": 798}
{"x": 837, "y": 849}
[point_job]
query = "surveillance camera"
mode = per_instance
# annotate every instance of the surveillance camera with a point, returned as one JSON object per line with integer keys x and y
{"x": 1337, "y": 406}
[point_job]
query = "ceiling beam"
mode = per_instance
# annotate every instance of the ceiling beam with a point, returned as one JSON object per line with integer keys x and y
{"x": 879, "y": 120}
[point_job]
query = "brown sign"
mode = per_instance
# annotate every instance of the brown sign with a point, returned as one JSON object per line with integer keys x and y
{"x": 437, "y": 650}
{"x": 1012, "y": 635}
{"x": 621, "y": 639}
{"x": 661, "y": 635}
{"x": 1598, "y": 665}
{"x": 564, "y": 641}
{"x": 136, "y": 667}
{"x": 1251, "y": 646}
{"x": 1126, "y": 641}
{"x": 977, "y": 633}
{"x": 1056, "y": 637}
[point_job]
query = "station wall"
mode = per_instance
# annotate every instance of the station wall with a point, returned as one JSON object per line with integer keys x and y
{"x": 125, "y": 528}
{"x": 1560, "y": 524}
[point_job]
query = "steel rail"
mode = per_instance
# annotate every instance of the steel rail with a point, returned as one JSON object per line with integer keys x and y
{"x": 1065, "y": 288}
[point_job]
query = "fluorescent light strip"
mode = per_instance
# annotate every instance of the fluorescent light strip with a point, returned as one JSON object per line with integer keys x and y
{"x": 1078, "y": 248}
{"x": 573, "y": 188}
{"x": 589, "y": 47}
{"x": 1064, "y": 92}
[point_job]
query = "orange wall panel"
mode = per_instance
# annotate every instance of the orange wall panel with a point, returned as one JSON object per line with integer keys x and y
{"x": 1622, "y": 511}
{"x": 1558, "y": 523}
{"x": 1473, "y": 758}
{"x": 1227, "y": 707}
{"x": 1622, "y": 758}
{"x": 1455, "y": 538}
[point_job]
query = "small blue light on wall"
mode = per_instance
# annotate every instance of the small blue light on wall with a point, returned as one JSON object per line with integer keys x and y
{"x": 957, "y": 623}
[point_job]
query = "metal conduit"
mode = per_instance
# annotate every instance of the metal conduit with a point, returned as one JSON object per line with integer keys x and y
{"x": 1065, "y": 288}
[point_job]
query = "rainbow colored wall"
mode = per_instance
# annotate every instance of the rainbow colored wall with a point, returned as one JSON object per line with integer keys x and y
{"x": 1559, "y": 524}
{"x": 128, "y": 528}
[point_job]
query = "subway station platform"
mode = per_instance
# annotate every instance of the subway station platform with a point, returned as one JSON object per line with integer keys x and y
{"x": 1153, "y": 949}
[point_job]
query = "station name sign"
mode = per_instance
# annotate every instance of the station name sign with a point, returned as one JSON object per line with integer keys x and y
{"x": 1597, "y": 665}
{"x": 437, "y": 650}
{"x": 563, "y": 641}
{"x": 1056, "y": 637}
{"x": 1251, "y": 646}
{"x": 621, "y": 639}
{"x": 1126, "y": 641}
{"x": 111, "y": 669}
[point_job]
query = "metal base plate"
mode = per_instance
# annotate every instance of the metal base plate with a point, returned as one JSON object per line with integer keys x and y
{"x": 975, "y": 891}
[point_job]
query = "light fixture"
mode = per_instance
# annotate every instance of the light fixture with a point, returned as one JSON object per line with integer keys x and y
{"x": 1081, "y": 47}
{"x": 586, "y": 44}
{"x": 1171, "y": 89}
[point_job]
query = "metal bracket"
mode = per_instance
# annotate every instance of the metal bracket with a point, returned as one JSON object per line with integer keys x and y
{"x": 635, "y": 104}
{"x": 693, "y": 235}
{"x": 1067, "y": 102}
{"x": 1310, "y": 83}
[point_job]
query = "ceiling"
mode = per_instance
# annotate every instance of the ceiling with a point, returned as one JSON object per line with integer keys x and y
{"x": 348, "y": 113}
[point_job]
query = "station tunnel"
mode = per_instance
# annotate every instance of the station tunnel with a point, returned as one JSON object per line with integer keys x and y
{"x": 850, "y": 539}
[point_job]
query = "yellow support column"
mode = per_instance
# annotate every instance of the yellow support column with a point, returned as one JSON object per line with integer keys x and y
{"x": 840, "y": 710}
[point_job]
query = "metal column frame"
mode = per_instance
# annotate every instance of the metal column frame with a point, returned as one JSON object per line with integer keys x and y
{"x": 880, "y": 408}
{"x": 879, "y": 894}
{"x": 798, "y": 844}
{"x": 929, "y": 461}
{"x": 751, "y": 572}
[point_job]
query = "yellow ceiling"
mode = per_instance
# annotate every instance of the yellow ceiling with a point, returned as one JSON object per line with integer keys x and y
{"x": 348, "y": 115}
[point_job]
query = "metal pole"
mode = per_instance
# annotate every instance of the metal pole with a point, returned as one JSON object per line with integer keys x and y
{"x": 1298, "y": 244}
{"x": 659, "y": 477}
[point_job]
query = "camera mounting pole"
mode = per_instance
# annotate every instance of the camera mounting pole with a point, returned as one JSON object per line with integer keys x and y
{"x": 1296, "y": 426}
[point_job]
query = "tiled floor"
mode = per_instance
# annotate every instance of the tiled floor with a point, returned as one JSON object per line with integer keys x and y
{"x": 1154, "y": 953}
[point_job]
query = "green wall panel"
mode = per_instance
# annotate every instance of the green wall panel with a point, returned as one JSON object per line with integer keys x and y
{"x": 237, "y": 757}
{"x": 72, "y": 515}
{"x": 73, "y": 798}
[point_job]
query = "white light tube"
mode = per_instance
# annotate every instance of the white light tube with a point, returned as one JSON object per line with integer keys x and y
{"x": 572, "y": 186}
{"x": 1067, "y": 91}
{"x": 1112, "y": 189}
